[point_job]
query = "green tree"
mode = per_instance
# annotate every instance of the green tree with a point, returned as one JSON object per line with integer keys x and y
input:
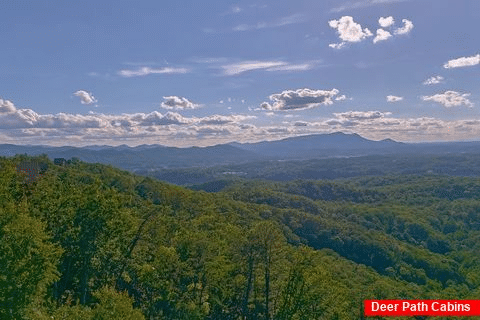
{"x": 111, "y": 305}
{"x": 267, "y": 248}
{"x": 114, "y": 305}
{"x": 28, "y": 262}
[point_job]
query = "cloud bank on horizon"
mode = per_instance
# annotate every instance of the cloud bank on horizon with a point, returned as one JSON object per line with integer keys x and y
{"x": 240, "y": 72}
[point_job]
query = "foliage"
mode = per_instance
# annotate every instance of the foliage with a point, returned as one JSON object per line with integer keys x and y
{"x": 87, "y": 241}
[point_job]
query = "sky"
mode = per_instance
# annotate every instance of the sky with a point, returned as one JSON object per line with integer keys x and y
{"x": 199, "y": 73}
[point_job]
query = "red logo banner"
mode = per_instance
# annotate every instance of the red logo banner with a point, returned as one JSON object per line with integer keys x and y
{"x": 396, "y": 308}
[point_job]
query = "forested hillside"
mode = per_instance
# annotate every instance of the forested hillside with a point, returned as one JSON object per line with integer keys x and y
{"x": 454, "y": 164}
{"x": 88, "y": 241}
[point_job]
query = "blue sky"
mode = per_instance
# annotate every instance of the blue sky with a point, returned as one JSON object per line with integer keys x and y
{"x": 185, "y": 73}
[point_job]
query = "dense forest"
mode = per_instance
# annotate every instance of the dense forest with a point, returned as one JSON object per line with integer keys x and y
{"x": 89, "y": 241}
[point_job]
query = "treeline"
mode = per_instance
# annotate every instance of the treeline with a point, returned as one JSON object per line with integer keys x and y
{"x": 89, "y": 241}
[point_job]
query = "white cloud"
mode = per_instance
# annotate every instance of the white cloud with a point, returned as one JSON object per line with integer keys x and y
{"x": 386, "y": 22}
{"x": 244, "y": 66}
{"x": 382, "y": 35}
{"x": 463, "y": 62}
{"x": 433, "y": 80}
{"x": 21, "y": 118}
{"x": 24, "y": 126}
{"x": 450, "y": 99}
{"x": 85, "y": 97}
{"x": 337, "y": 45}
{"x": 155, "y": 118}
{"x": 27, "y": 118}
{"x": 178, "y": 103}
{"x": 292, "y": 67}
{"x": 407, "y": 27}
{"x": 299, "y": 99}
{"x": 361, "y": 115}
{"x": 363, "y": 4}
{"x": 64, "y": 120}
{"x": 221, "y": 119}
{"x": 394, "y": 98}
{"x": 406, "y": 129}
{"x": 6, "y": 106}
{"x": 144, "y": 71}
{"x": 237, "y": 68}
{"x": 341, "y": 98}
{"x": 13, "y": 118}
{"x": 348, "y": 31}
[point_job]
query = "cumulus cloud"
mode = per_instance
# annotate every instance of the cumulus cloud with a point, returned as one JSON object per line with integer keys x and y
{"x": 64, "y": 120}
{"x": 175, "y": 130}
{"x": 244, "y": 66}
{"x": 348, "y": 31}
{"x": 386, "y": 22}
{"x": 6, "y": 106}
{"x": 27, "y": 126}
{"x": 155, "y": 118}
{"x": 394, "y": 98}
{"x": 382, "y": 35}
{"x": 178, "y": 103}
{"x": 361, "y": 115}
{"x": 145, "y": 71}
{"x": 433, "y": 80}
{"x": 27, "y": 118}
{"x": 407, "y": 27}
{"x": 85, "y": 97}
{"x": 299, "y": 99}
{"x": 341, "y": 98}
{"x": 463, "y": 62}
{"x": 450, "y": 99}
{"x": 20, "y": 118}
{"x": 13, "y": 118}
